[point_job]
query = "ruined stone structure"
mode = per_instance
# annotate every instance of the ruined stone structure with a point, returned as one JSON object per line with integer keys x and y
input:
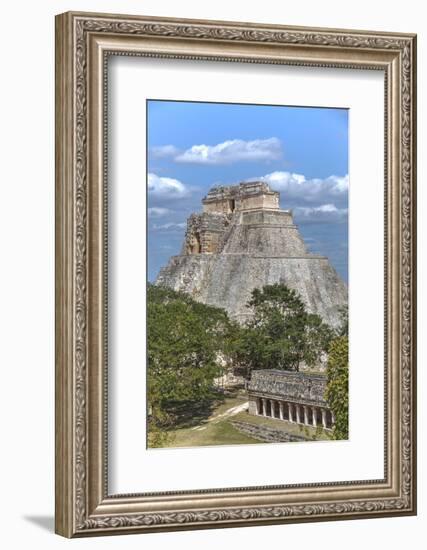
{"x": 266, "y": 434}
{"x": 243, "y": 240}
{"x": 292, "y": 396}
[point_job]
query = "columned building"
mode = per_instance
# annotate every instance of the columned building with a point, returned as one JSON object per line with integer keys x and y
{"x": 292, "y": 396}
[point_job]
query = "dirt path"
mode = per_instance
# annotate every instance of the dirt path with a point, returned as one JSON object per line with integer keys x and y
{"x": 219, "y": 417}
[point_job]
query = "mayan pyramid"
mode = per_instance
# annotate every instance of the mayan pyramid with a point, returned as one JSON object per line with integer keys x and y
{"x": 243, "y": 240}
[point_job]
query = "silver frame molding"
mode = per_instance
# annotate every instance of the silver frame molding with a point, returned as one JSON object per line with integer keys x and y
{"x": 83, "y": 43}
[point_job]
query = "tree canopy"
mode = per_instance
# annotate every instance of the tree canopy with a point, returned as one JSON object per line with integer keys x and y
{"x": 281, "y": 334}
{"x": 185, "y": 340}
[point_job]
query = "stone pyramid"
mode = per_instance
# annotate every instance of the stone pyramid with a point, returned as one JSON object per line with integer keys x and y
{"x": 243, "y": 240}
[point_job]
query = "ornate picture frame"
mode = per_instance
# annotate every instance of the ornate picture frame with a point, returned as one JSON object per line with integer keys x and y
{"x": 84, "y": 42}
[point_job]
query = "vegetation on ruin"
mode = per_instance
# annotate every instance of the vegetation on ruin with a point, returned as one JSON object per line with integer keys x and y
{"x": 337, "y": 385}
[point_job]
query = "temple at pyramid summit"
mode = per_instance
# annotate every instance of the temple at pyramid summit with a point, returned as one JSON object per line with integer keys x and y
{"x": 242, "y": 240}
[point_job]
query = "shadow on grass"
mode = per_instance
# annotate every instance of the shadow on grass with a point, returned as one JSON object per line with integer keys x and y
{"x": 189, "y": 414}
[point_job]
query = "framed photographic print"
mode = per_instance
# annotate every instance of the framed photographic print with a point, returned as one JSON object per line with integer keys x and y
{"x": 235, "y": 274}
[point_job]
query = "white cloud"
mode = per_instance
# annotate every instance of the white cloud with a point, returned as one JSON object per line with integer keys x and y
{"x": 162, "y": 187}
{"x": 296, "y": 188}
{"x": 233, "y": 150}
{"x": 163, "y": 151}
{"x": 169, "y": 226}
{"x": 324, "y": 212}
{"x": 158, "y": 211}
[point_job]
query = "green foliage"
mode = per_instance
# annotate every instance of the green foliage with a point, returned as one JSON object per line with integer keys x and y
{"x": 318, "y": 433}
{"x": 186, "y": 340}
{"x": 190, "y": 344}
{"x": 281, "y": 334}
{"x": 158, "y": 437}
{"x": 337, "y": 385}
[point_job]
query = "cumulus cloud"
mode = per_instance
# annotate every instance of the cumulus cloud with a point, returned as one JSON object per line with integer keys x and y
{"x": 162, "y": 187}
{"x": 297, "y": 189}
{"x": 227, "y": 152}
{"x": 322, "y": 213}
{"x": 158, "y": 211}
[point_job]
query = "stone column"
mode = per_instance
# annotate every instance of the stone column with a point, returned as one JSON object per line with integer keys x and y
{"x": 305, "y": 415}
{"x": 332, "y": 418}
{"x": 298, "y": 410}
{"x": 324, "y": 418}
{"x": 272, "y": 408}
{"x": 290, "y": 412}
{"x": 314, "y": 412}
{"x": 281, "y": 415}
{"x": 264, "y": 407}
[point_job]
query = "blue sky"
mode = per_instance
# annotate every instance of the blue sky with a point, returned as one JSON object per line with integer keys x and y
{"x": 302, "y": 152}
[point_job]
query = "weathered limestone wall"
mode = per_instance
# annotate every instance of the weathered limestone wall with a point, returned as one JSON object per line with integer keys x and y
{"x": 225, "y": 206}
{"x": 228, "y": 199}
{"x": 227, "y": 280}
{"x": 264, "y": 233}
{"x": 259, "y": 201}
{"x": 205, "y": 232}
{"x": 262, "y": 217}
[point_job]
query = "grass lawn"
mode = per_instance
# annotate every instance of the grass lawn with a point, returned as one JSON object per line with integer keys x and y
{"x": 233, "y": 400}
{"x": 218, "y": 433}
{"x": 214, "y": 430}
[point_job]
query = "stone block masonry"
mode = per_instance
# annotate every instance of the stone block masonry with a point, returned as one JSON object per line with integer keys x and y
{"x": 266, "y": 434}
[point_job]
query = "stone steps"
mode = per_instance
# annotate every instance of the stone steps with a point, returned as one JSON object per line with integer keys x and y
{"x": 266, "y": 434}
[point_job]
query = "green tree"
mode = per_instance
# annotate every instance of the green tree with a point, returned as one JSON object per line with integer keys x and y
{"x": 185, "y": 341}
{"x": 337, "y": 385}
{"x": 281, "y": 334}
